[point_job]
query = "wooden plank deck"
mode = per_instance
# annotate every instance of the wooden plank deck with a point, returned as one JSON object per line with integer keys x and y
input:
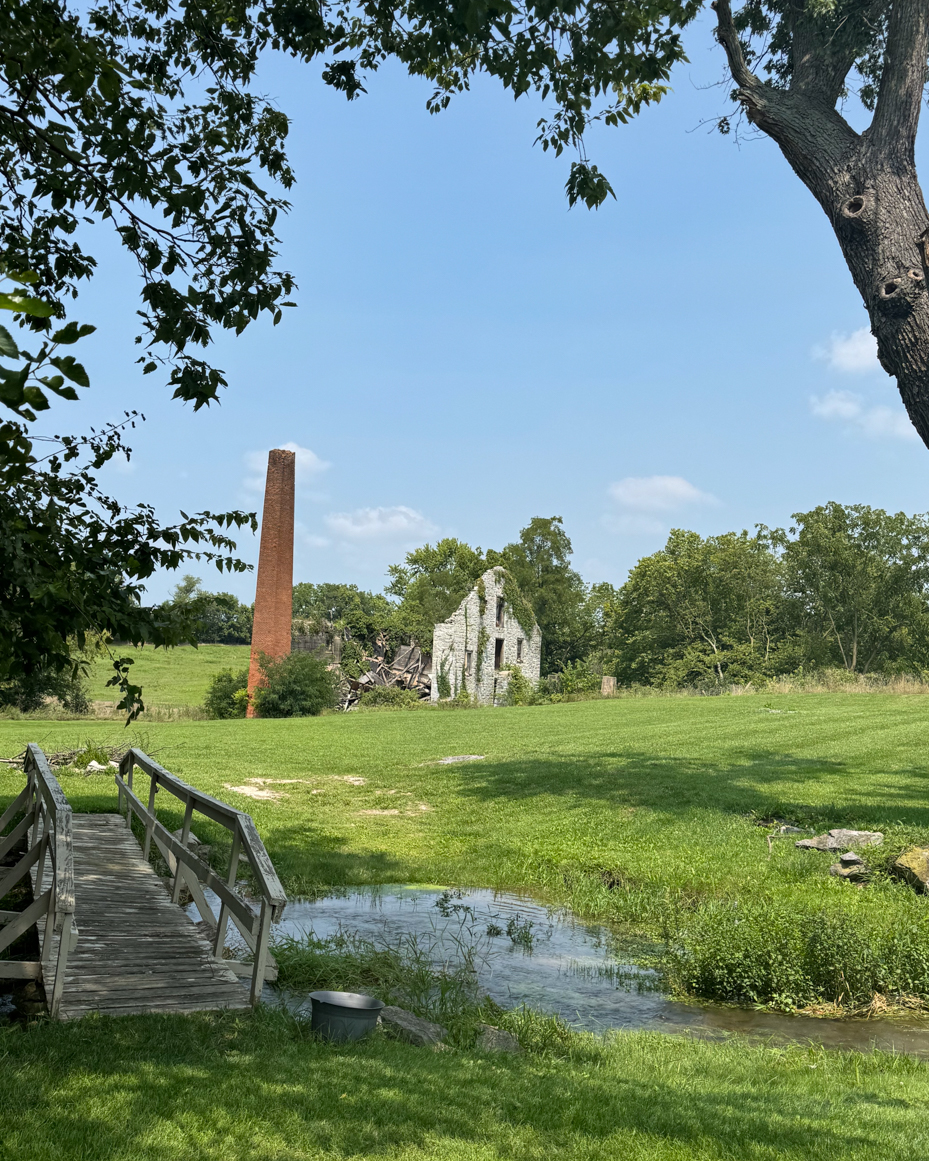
{"x": 136, "y": 950}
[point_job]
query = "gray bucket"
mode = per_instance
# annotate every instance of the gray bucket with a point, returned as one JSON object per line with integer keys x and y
{"x": 342, "y": 1016}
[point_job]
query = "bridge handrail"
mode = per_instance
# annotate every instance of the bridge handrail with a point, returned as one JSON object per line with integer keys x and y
{"x": 47, "y": 822}
{"x": 190, "y": 871}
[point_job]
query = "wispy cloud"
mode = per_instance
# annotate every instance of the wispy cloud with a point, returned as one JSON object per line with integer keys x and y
{"x": 307, "y": 468}
{"x": 395, "y": 524}
{"x": 657, "y": 494}
{"x": 875, "y": 421}
{"x": 311, "y": 540}
{"x": 643, "y": 503}
{"x": 853, "y": 354}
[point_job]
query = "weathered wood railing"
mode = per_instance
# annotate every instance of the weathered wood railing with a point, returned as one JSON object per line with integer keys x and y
{"x": 191, "y": 872}
{"x": 46, "y": 824}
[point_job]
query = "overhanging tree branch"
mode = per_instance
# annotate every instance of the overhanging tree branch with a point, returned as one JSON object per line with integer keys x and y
{"x": 728, "y": 37}
{"x": 896, "y": 118}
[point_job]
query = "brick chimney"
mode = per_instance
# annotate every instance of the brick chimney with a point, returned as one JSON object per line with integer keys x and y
{"x": 274, "y": 590}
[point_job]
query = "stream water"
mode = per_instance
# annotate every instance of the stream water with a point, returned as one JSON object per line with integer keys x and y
{"x": 525, "y": 953}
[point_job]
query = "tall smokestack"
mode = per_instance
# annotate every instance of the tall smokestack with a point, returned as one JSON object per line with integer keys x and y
{"x": 274, "y": 590}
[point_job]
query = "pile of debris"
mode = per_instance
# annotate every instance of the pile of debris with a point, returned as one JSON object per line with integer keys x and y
{"x": 85, "y": 758}
{"x": 409, "y": 669}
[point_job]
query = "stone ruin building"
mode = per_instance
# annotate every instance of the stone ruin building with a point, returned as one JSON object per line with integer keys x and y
{"x": 483, "y": 640}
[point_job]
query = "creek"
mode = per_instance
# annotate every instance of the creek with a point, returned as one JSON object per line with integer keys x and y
{"x": 544, "y": 958}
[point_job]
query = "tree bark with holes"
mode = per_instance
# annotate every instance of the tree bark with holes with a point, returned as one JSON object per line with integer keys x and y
{"x": 865, "y": 182}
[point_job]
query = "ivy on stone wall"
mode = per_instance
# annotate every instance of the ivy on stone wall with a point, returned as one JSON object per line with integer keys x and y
{"x": 482, "y": 638}
{"x": 517, "y": 605}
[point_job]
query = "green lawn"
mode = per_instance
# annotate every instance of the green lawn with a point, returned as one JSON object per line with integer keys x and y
{"x": 171, "y": 677}
{"x": 638, "y": 812}
{"x": 237, "y": 1089}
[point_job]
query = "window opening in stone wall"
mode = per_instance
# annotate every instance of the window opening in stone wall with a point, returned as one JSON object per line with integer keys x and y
{"x": 501, "y": 605}
{"x": 469, "y": 660}
{"x": 498, "y": 654}
{"x": 519, "y": 648}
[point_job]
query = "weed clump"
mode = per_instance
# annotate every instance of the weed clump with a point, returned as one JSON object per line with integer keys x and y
{"x": 402, "y": 973}
{"x": 768, "y": 953}
{"x": 389, "y": 697}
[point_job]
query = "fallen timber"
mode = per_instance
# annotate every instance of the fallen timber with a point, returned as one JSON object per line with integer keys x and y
{"x": 114, "y": 938}
{"x": 410, "y": 669}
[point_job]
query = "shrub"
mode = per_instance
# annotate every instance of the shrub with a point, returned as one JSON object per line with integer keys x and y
{"x": 226, "y": 697}
{"x": 32, "y": 692}
{"x": 352, "y": 661}
{"x": 519, "y": 690}
{"x": 769, "y": 953}
{"x": 577, "y": 677}
{"x": 389, "y": 697}
{"x": 92, "y": 752}
{"x": 299, "y": 685}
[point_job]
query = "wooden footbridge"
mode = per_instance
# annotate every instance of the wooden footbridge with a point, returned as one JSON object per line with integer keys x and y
{"x": 112, "y": 936}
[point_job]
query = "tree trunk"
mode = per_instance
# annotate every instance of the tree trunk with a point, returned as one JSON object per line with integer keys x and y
{"x": 866, "y": 184}
{"x": 876, "y": 208}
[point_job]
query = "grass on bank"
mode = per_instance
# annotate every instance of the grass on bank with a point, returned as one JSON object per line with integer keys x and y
{"x": 261, "y": 1088}
{"x": 640, "y": 813}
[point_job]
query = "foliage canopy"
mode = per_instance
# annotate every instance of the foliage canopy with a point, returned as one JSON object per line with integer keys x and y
{"x": 845, "y": 586}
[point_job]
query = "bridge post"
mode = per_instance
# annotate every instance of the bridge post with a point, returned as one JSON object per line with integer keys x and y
{"x": 261, "y": 953}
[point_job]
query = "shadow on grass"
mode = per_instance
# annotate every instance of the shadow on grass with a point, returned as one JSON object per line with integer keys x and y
{"x": 758, "y": 783}
{"x": 226, "y": 1089}
{"x": 304, "y": 855}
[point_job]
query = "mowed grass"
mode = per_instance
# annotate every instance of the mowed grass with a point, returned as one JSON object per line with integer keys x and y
{"x": 658, "y": 792}
{"x": 172, "y": 677}
{"x": 642, "y": 813}
{"x": 222, "y": 1088}
{"x": 662, "y": 794}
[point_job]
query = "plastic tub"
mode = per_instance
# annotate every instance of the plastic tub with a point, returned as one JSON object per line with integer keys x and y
{"x": 342, "y": 1016}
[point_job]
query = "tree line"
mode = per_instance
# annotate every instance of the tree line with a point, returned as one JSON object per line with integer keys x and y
{"x": 844, "y": 586}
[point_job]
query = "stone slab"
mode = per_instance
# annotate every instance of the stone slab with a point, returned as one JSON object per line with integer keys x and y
{"x": 412, "y": 1029}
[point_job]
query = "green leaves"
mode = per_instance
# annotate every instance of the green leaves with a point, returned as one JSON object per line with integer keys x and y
{"x": 8, "y": 349}
{"x": 23, "y": 304}
{"x": 24, "y": 389}
{"x": 109, "y": 84}
{"x": 859, "y": 578}
{"x": 588, "y": 185}
{"x": 95, "y": 124}
{"x": 71, "y": 369}
{"x": 73, "y": 560}
{"x": 702, "y": 611}
{"x": 71, "y": 333}
{"x": 846, "y": 587}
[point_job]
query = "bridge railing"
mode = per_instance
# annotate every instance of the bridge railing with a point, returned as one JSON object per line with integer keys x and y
{"x": 46, "y": 825}
{"x": 189, "y": 871}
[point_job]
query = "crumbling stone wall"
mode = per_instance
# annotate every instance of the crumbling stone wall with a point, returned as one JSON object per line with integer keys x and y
{"x": 274, "y": 589}
{"x": 474, "y": 629}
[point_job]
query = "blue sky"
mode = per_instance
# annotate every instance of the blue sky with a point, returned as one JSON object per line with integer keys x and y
{"x": 468, "y": 353}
